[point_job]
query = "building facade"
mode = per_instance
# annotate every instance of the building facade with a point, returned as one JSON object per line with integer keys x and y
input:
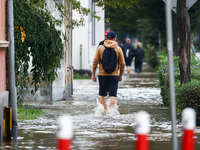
{"x": 79, "y": 50}
{"x": 86, "y": 38}
{"x": 3, "y": 45}
{"x": 61, "y": 88}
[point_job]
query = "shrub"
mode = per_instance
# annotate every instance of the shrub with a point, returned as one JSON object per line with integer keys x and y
{"x": 77, "y": 76}
{"x": 151, "y": 56}
{"x": 195, "y": 69}
{"x": 164, "y": 84}
{"x": 162, "y": 72}
{"x": 188, "y": 95}
{"x": 36, "y": 37}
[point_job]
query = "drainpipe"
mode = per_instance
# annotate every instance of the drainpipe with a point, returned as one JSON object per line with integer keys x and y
{"x": 89, "y": 32}
{"x": 81, "y": 56}
{"x": 11, "y": 67}
{"x": 71, "y": 52}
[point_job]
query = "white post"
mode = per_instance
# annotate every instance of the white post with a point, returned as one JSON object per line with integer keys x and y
{"x": 142, "y": 129}
{"x": 189, "y": 124}
{"x": 65, "y": 132}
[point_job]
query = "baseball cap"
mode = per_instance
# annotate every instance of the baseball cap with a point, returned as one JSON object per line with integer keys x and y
{"x": 106, "y": 32}
{"x": 111, "y": 34}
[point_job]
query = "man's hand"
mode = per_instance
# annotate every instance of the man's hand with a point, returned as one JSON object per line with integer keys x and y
{"x": 120, "y": 78}
{"x": 94, "y": 78}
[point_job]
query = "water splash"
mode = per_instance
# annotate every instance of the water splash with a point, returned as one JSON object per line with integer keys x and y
{"x": 113, "y": 111}
{"x": 99, "y": 111}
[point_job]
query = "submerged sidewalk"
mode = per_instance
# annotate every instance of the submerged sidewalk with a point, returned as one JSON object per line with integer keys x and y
{"x": 101, "y": 133}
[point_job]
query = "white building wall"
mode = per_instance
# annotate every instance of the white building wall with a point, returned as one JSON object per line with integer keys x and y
{"x": 61, "y": 87}
{"x": 58, "y": 85}
{"x": 83, "y": 36}
{"x": 99, "y": 32}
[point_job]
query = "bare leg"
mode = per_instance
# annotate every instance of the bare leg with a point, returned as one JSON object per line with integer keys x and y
{"x": 103, "y": 102}
{"x": 128, "y": 69}
{"x": 112, "y": 101}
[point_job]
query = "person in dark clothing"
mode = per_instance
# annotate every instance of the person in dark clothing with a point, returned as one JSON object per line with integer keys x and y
{"x": 139, "y": 55}
{"x": 102, "y": 42}
{"x": 128, "y": 51}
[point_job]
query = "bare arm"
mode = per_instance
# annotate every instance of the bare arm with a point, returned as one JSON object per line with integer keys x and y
{"x": 122, "y": 64}
{"x": 94, "y": 66}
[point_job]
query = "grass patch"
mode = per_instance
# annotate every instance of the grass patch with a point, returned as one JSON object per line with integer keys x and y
{"x": 28, "y": 113}
{"x": 77, "y": 76}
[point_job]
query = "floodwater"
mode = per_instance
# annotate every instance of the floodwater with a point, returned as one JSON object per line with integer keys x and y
{"x": 136, "y": 93}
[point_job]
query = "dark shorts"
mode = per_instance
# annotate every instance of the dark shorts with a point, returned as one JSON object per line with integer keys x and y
{"x": 108, "y": 84}
{"x": 128, "y": 61}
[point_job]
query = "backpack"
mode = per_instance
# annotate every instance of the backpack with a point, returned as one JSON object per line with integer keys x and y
{"x": 109, "y": 60}
{"x": 128, "y": 52}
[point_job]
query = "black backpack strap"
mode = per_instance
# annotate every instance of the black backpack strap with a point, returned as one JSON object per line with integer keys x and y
{"x": 118, "y": 54}
{"x": 100, "y": 61}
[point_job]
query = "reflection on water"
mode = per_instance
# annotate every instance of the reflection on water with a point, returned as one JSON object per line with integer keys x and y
{"x": 101, "y": 132}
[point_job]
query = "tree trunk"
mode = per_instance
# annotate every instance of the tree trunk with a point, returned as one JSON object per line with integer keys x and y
{"x": 175, "y": 34}
{"x": 184, "y": 37}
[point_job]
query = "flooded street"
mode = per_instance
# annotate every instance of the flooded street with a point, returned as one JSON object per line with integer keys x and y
{"x": 136, "y": 92}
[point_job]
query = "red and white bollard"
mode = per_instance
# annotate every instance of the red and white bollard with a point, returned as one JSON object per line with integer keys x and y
{"x": 189, "y": 124}
{"x": 65, "y": 132}
{"x": 142, "y": 129}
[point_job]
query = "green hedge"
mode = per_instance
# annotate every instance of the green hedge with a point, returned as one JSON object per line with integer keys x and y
{"x": 162, "y": 72}
{"x": 187, "y": 95}
{"x": 77, "y": 76}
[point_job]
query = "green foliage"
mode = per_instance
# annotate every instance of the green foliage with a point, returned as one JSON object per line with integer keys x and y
{"x": 36, "y": 36}
{"x": 38, "y": 3}
{"x": 116, "y": 3}
{"x": 63, "y": 9}
{"x": 144, "y": 20}
{"x": 77, "y": 76}
{"x": 195, "y": 70}
{"x": 123, "y": 23}
{"x": 188, "y": 95}
{"x": 76, "y": 5}
{"x": 162, "y": 72}
{"x": 194, "y": 13}
{"x": 149, "y": 34}
{"x": 151, "y": 56}
{"x": 28, "y": 113}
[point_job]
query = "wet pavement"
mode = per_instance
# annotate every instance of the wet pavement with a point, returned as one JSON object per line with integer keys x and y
{"x": 136, "y": 92}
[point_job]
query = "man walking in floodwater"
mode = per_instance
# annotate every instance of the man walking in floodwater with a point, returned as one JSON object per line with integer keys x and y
{"x": 109, "y": 56}
{"x": 139, "y": 56}
{"x": 128, "y": 54}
